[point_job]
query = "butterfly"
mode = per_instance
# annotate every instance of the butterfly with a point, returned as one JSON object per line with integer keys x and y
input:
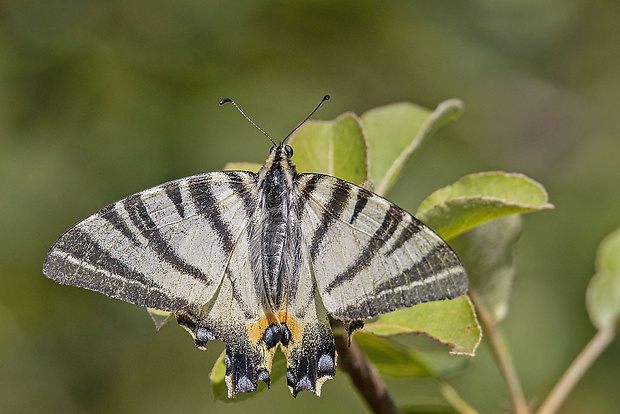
{"x": 261, "y": 261}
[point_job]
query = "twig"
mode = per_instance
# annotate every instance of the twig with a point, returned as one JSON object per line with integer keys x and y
{"x": 453, "y": 397}
{"x": 364, "y": 376}
{"x": 498, "y": 347}
{"x": 580, "y": 365}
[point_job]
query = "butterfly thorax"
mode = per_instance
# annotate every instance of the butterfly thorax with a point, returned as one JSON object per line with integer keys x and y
{"x": 275, "y": 184}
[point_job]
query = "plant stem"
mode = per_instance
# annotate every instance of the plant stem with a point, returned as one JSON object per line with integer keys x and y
{"x": 580, "y": 365}
{"x": 498, "y": 347}
{"x": 455, "y": 400}
{"x": 364, "y": 376}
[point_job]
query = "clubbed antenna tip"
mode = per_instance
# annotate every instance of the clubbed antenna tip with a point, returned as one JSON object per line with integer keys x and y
{"x": 226, "y": 100}
{"x": 325, "y": 98}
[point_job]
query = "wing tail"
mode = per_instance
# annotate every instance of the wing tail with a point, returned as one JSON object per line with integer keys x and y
{"x": 307, "y": 339}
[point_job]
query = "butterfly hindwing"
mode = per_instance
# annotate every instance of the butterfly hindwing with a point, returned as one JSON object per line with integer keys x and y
{"x": 371, "y": 257}
{"x": 239, "y": 315}
{"x": 308, "y": 341}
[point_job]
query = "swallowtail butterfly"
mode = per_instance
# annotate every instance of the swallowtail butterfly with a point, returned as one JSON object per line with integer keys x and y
{"x": 259, "y": 260}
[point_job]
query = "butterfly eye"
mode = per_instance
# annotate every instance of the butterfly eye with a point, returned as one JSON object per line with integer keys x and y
{"x": 271, "y": 149}
{"x": 289, "y": 150}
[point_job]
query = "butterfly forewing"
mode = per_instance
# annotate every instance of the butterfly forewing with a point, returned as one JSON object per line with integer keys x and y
{"x": 165, "y": 248}
{"x": 371, "y": 257}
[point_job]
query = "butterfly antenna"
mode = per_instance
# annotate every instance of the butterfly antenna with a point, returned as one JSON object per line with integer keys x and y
{"x": 225, "y": 100}
{"x": 325, "y": 98}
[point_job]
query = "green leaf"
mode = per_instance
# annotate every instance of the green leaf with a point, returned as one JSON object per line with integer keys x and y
{"x": 242, "y": 166}
{"x": 451, "y": 322}
{"x": 159, "y": 317}
{"x": 395, "y": 131}
{"x": 337, "y": 148}
{"x": 218, "y": 378}
{"x": 408, "y": 355}
{"x": 374, "y": 148}
{"x": 608, "y": 255}
{"x": 603, "y": 294}
{"x": 477, "y": 198}
{"x": 489, "y": 254}
{"x": 391, "y": 358}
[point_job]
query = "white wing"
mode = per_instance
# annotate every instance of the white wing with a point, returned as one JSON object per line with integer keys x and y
{"x": 239, "y": 315}
{"x": 166, "y": 247}
{"x": 369, "y": 256}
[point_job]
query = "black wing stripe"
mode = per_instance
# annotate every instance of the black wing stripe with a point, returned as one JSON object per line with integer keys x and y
{"x": 405, "y": 235}
{"x": 241, "y": 189}
{"x": 140, "y": 217}
{"x": 206, "y": 204}
{"x": 363, "y": 196}
{"x": 173, "y": 191}
{"x": 110, "y": 214}
{"x": 85, "y": 264}
{"x": 238, "y": 297}
{"x": 421, "y": 271}
{"x": 364, "y": 259}
{"x": 81, "y": 245}
{"x": 305, "y": 192}
{"x": 413, "y": 291}
{"x": 331, "y": 212}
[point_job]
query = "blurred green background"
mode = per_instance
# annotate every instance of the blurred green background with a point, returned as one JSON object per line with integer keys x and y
{"x": 100, "y": 99}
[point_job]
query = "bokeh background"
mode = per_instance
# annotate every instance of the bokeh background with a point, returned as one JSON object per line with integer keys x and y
{"x": 100, "y": 99}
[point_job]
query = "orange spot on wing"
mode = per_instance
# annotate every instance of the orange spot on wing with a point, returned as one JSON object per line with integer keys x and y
{"x": 257, "y": 329}
{"x": 296, "y": 327}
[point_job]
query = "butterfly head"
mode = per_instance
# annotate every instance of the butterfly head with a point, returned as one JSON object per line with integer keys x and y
{"x": 280, "y": 157}
{"x": 280, "y": 154}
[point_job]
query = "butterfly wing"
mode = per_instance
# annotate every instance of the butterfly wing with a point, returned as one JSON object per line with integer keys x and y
{"x": 369, "y": 256}
{"x": 307, "y": 338}
{"x": 166, "y": 247}
{"x": 239, "y": 314}
{"x": 184, "y": 247}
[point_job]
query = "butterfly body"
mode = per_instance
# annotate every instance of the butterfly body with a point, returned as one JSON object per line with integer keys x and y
{"x": 260, "y": 261}
{"x": 278, "y": 233}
